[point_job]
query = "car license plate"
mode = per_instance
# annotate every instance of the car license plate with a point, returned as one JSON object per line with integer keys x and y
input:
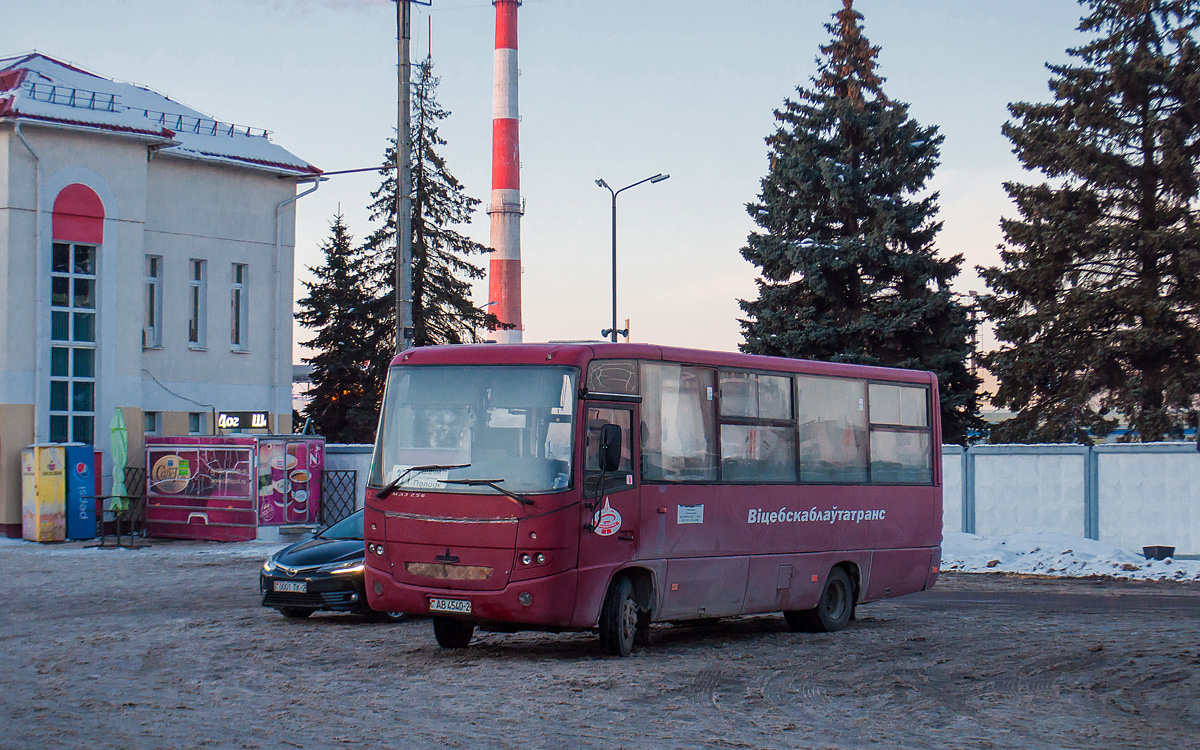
{"x": 298, "y": 587}
{"x": 453, "y": 606}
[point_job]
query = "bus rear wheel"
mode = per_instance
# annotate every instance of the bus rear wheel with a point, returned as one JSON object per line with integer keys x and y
{"x": 452, "y": 633}
{"x": 833, "y": 610}
{"x": 619, "y": 619}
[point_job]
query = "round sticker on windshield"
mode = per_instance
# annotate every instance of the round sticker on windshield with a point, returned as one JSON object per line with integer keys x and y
{"x": 607, "y": 520}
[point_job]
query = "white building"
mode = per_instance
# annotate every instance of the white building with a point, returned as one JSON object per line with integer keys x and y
{"x": 146, "y": 264}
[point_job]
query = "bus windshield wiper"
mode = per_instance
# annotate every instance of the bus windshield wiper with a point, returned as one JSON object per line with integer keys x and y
{"x": 391, "y": 486}
{"x": 494, "y": 484}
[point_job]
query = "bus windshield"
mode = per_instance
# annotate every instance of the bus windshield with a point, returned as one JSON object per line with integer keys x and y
{"x": 513, "y": 425}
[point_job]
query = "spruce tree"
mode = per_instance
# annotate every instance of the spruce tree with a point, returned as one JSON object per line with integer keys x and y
{"x": 345, "y": 393}
{"x": 1096, "y": 301}
{"x": 849, "y": 272}
{"x": 441, "y": 270}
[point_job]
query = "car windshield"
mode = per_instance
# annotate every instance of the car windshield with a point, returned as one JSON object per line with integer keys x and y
{"x": 509, "y": 423}
{"x": 350, "y": 527}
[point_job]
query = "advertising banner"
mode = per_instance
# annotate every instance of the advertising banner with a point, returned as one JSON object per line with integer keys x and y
{"x": 289, "y": 479}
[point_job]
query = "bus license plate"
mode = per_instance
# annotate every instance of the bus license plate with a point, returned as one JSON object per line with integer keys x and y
{"x": 298, "y": 587}
{"x": 453, "y": 606}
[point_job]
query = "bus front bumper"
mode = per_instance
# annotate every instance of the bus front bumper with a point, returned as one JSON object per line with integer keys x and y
{"x": 543, "y": 602}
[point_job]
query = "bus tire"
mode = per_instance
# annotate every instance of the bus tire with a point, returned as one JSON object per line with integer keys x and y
{"x": 833, "y": 610}
{"x": 618, "y": 618}
{"x": 452, "y": 633}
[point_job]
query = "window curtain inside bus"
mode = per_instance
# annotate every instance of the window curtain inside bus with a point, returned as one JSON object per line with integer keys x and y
{"x": 678, "y": 423}
{"x": 832, "y": 429}
{"x": 900, "y": 440}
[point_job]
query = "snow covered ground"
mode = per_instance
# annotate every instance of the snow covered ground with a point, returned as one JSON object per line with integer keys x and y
{"x": 1044, "y": 553}
{"x": 1060, "y": 555}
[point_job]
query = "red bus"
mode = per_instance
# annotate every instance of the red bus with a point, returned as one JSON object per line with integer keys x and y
{"x": 609, "y": 486}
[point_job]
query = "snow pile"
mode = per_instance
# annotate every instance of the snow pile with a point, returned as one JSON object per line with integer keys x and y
{"x": 173, "y": 549}
{"x": 1060, "y": 555}
{"x": 1046, "y": 554}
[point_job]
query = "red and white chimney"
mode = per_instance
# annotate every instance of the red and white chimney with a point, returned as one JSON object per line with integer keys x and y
{"x": 504, "y": 277}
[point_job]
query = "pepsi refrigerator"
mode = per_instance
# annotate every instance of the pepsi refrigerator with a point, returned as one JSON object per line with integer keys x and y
{"x": 81, "y": 487}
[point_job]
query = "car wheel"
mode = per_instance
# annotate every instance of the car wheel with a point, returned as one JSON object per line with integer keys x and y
{"x": 294, "y": 613}
{"x": 619, "y": 619}
{"x": 452, "y": 633}
{"x": 833, "y": 610}
{"x": 389, "y": 616}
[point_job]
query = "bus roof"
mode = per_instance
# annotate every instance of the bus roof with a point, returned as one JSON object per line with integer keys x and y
{"x": 579, "y": 354}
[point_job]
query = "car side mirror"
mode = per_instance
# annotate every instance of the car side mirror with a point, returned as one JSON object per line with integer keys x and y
{"x": 610, "y": 447}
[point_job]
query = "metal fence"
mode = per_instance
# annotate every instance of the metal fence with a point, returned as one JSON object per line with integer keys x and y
{"x": 135, "y": 488}
{"x": 338, "y": 490}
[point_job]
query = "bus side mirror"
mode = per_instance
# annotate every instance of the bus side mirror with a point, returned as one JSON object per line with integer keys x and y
{"x": 610, "y": 447}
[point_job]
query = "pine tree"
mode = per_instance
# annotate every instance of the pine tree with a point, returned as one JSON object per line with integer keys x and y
{"x": 345, "y": 392}
{"x": 441, "y": 272}
{"x": 1096, "y": 304}
{"x": 849, "y": 272}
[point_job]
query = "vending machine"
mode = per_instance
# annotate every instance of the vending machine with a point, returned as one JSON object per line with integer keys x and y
{"x": 43, "y": 493}
{"x": 81, "y": 493}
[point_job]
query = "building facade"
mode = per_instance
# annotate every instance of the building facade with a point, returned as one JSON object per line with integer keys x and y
{"x": 146, "y": 265}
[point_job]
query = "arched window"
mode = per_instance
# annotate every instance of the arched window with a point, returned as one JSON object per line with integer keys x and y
{"x": 78, "y": 227}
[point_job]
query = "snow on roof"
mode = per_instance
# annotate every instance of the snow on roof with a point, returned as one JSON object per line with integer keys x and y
{"x": 40, "y": 88}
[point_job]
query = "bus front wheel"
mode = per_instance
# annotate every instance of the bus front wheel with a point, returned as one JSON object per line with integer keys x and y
{"x": 452, "y": 633}
{"x": 619, "y": 619}
{"x": 833, "y": 610}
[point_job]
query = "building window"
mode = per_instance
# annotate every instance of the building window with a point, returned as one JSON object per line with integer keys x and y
{"x": 197, "y": 303}
{"x": 152, "y": 330}
{"x": 152, "y": 421}
{"x": 195, "y": 423}
{"x": 73, "y": 343}
{"x": 237, "y": 308}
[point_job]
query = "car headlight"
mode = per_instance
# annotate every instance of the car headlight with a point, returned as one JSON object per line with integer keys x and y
{"x": 270, "y": 565}
{"x": 343, "y": 568}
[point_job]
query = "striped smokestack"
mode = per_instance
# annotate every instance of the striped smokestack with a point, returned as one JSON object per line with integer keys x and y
{"x": 504, "y": 278}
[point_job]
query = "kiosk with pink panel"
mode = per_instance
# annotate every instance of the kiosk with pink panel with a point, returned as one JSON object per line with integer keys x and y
{"x": 232, "y": 487}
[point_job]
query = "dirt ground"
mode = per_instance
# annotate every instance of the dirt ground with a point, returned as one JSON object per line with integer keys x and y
{"x": 168, "y": 647}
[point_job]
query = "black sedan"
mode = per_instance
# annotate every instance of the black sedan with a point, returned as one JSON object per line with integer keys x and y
{"x": 325, "y": 572}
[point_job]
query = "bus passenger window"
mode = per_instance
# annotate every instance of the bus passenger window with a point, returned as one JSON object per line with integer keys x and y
{"x": 679, "y": 423}
{"x": 622, "y": 478}
{"x": 901, "y": 449}
{"x": 757, "y": 453}
{"x": 832, "y": 428}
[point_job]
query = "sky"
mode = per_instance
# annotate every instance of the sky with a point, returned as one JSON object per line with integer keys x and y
{"x": 612, "y": 89}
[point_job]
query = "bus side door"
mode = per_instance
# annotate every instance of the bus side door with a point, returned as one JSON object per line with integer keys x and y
{"x": 610, "y": 524}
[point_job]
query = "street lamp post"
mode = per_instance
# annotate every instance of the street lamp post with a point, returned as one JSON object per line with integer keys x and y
{"x": 612, "y": 332}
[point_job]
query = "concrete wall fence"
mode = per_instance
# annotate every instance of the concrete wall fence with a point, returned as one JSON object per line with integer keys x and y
{"x": 1128, "y": 495}
{"x": 351, "y": 457}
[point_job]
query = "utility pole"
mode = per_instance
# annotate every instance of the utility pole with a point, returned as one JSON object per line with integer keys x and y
{"x": 404, "y": 320}
{"x": 403, "y": 182}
